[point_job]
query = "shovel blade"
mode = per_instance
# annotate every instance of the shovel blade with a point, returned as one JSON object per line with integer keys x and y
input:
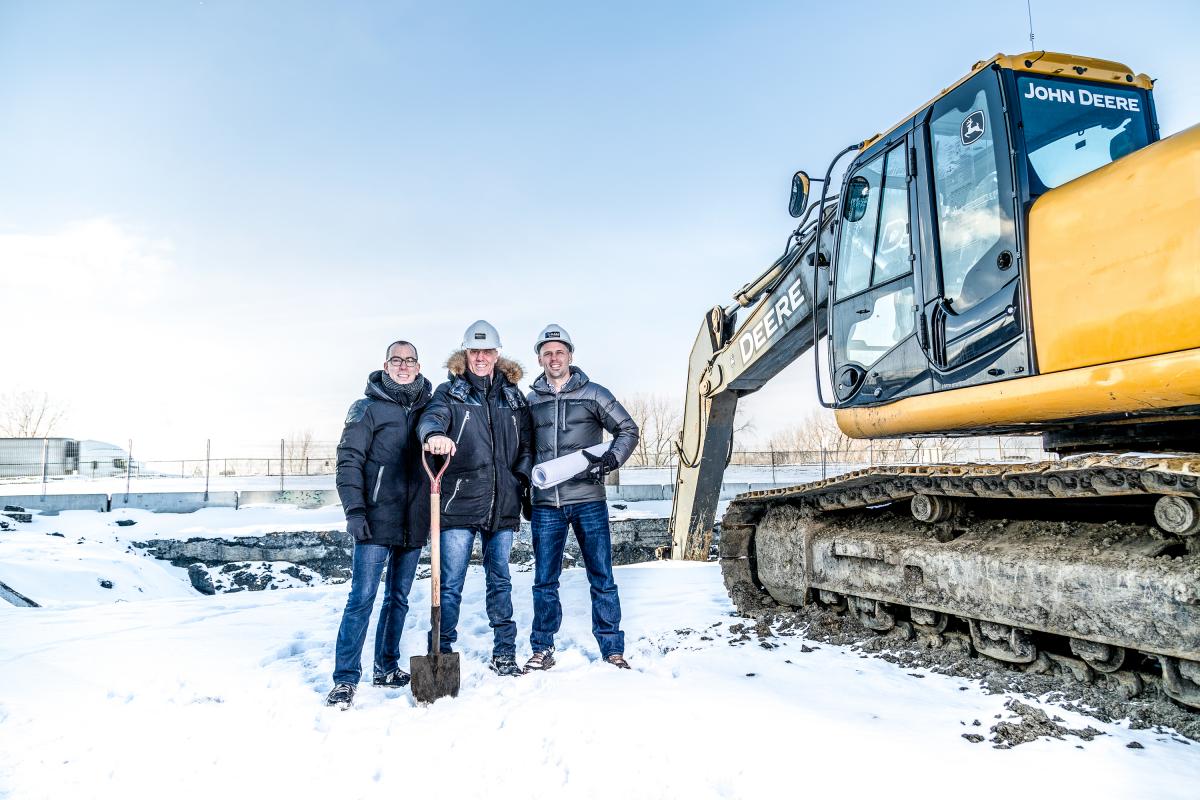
{"x": 434, "y": 676}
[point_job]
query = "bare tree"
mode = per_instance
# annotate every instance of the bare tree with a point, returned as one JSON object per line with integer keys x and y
{"x": 743, "y": 424}
{"x": 298, "y": 446}
{"x": 922, "y": 449}
{"x": 815, "y": 433}
{"x": 30, "y": 414}
{"x": 659, "y": 421}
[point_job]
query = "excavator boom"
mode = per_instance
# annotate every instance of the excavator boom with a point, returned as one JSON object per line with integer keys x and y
{"x": 784, "y": 317}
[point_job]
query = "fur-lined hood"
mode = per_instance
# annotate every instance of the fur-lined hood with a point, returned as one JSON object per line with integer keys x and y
{"x": 456, "y": 366}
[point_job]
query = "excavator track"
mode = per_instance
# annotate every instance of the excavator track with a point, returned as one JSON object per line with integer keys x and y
{"x": 1091, "y": 562}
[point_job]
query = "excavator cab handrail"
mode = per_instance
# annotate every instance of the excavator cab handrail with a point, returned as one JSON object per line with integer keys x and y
{"x": 829, "y": 288}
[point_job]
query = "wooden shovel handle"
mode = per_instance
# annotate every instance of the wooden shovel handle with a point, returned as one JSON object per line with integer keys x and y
{"x": 435, "y": 547}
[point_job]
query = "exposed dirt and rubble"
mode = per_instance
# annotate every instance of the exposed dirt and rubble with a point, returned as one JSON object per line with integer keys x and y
{"x": 1105, "y": 698}
{"x": 1051, "y": 582}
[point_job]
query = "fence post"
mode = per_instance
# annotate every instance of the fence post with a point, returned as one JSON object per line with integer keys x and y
{"x": 773, "y": 464}
{"x": 281, "y": 465}
{"x": 822, "y": 463}
{"x": 207, "y": 465}
{"x": 45, "y": 459}
{"x": 128, "y": 468}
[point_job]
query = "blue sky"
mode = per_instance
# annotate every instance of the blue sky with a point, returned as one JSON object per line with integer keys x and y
{"x": 216, "y": 214}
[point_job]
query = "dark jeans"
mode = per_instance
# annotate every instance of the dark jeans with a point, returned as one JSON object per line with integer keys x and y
{"x": 456, "y": 554}
{"x": 590, "y": 521}
{"x": 369, "y": 562}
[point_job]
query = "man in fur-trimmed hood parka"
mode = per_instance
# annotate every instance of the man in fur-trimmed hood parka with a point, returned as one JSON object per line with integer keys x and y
{"x": 480, "y": 417}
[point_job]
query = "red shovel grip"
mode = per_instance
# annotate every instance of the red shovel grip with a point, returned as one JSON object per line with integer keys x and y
{"x": 435, "y": 481}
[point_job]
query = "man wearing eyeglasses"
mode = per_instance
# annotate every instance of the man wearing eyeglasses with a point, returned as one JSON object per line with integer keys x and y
{"x": 385, "y": 493}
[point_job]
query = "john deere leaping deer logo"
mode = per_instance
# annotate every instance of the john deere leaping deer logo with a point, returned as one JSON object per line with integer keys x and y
{"x": 972, "y": 127}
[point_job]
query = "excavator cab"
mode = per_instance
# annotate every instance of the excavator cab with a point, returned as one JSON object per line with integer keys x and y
{"x": 929, "y": 285}
{"x": 1005, "y": 233}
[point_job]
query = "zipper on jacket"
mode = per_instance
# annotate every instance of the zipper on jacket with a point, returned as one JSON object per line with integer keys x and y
{"x": 487, "y": 409}
{"x": 457, "y": 483}
{"x": 378, "y": 480}
{"x": 463, "y": 427}
{"x": 557, "y": 499}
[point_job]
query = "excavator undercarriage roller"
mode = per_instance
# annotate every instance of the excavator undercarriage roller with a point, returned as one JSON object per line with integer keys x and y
{"x": 1178, "y": 515}
{"x": 932, "y": 508}
{"x": 1090, "y": 590}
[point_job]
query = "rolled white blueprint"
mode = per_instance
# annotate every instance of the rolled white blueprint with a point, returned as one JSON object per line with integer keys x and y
{"x": 556, "y": 470}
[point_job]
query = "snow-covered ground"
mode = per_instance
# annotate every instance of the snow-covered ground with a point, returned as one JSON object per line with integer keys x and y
{"x": 176, "y": 693}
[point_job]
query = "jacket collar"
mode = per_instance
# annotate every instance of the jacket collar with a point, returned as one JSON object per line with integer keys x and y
{"x": 578, "y": 378}
{"x": 376, "y": 391}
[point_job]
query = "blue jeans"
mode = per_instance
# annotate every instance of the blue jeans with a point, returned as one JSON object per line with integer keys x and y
{"x": 369, "y": 562}
{"x": 456, "y": 554}
{"x": 590, "y": 521}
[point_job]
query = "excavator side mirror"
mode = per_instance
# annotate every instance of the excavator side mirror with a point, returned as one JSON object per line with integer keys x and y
{"x": 799, "y": 199}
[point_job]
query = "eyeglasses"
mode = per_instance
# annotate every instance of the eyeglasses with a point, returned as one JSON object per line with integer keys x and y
{"x": 396, "y": 361}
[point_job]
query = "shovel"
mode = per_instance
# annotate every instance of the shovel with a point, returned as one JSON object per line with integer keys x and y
{"x": 437, "y": 674}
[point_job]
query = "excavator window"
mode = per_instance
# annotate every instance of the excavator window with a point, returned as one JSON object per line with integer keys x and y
{"x": 875, "y": 241}
{"x": 1074, "y": 127}
{"x": 875, "y": 249}
{"x": 889, "y": 320}
{"x": 860, "y": 221}
{"x": 970, "y": 218}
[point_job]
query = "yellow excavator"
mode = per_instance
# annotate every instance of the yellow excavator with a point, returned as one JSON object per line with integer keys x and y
{"x": 1021, "y": 255}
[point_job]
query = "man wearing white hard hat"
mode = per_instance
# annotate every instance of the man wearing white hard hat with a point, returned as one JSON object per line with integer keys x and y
{"x": 570, "y": 413}
{"x": 479, "y": 417}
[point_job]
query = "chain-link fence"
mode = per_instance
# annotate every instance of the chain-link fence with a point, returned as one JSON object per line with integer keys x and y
{"x": 304, "y": 463}
{"x": 59, "y": 460}
{"x": 39, "y": 458}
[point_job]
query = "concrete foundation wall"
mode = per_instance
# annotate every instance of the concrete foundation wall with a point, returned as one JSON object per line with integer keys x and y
{"x": 51, "y": 504}
{"x": 175, "y": 502}
{"x": 640, "y": 491}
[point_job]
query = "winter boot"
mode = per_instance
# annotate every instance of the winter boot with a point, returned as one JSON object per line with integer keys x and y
{"x": 542, "y": 659}
{"x": 342, "y": 696}
{"x": 617, "y": 660}
{"x": 505, "y": 664}
{"x": 395, "y": 679}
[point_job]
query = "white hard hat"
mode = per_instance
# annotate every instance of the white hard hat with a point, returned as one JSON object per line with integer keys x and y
{"x": 481, "y": 336}
{"x": 553, "y": 333}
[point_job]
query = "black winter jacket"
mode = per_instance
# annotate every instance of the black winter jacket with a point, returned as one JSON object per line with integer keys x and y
{"x": 379, "y": 470}
{"x": 571, "y": 420}
{"x": 482, "y": 486}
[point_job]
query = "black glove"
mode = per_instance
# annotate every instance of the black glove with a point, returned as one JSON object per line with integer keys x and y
{"x": 598, "y": 466}
{"x": 526, "y": 503}
{"x": 356, "y": 526}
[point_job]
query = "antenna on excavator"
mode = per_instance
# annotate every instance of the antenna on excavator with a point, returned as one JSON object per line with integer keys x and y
{"x": 1029, "y": 9}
